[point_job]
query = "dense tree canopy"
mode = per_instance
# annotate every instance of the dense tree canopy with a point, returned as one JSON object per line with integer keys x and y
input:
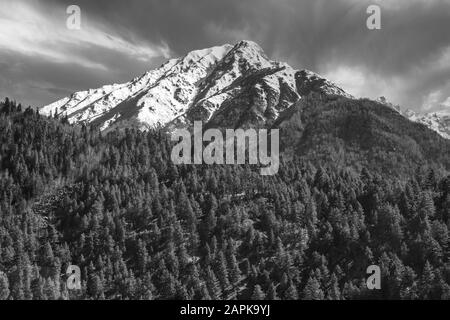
{"x": 141, "y": 228}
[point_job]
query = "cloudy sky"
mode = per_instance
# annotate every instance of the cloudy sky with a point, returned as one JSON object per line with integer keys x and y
{"x": 407, "y": 61}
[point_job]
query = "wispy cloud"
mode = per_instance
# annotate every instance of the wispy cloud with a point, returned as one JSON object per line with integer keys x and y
{"x": 407, "y": 61}
{"x": 32, "y": 29}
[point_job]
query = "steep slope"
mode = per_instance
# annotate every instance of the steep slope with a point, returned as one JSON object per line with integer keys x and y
{"x": 436, "y": 121}
{"x": 140, "y": 228}
{"x": 225, "y": 85}
{"x": 360, "y": 133}
{"x": 152, "y": 99}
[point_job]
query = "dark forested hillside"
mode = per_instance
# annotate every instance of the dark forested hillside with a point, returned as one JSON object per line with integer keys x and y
{"x": 361, "y": 133}
{"x": 141, "y": 228}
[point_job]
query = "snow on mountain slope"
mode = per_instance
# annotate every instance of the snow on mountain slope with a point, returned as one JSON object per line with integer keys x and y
{"x": 308, "y": 81}
{"x": 154, "y": 97}
{"x": 224, "y": 85}
{"x": 437, "y": 121}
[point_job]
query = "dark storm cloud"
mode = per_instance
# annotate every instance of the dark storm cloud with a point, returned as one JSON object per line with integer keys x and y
{"x": 408, "y": 60}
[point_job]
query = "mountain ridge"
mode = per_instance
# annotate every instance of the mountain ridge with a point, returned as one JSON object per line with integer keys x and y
{"x": 197, "y": 86}
{"x": 359, "y": 133}
{"x": 224, "y": 86}
{"x": 438, "y": 121}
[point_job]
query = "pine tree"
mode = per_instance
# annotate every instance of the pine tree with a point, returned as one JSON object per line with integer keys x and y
{"x": 37, "y": 287}
{"x": 334, "y": 292}
{"x": 4, "y": 286}
{"x": 50, "y": 290}
{"x": 291, "y": 292}
{"x": 312, "y": 290}
{"x": 235, "y": 272}
{"x": 142, "y": 257}
{"x": 222, "y": 272}
{"x": 426, "y": 281}
{"x": 258, "y": 294}
{"x": 272, "y": 293}
{"x": 214, "y": 289}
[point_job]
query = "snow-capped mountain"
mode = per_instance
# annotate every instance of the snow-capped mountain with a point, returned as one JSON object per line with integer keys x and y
{"x": 224, "y": 86}
{"x": 437, "y": 121}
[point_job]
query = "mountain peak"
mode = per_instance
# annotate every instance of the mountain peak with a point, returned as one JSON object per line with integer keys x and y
{"x": 247, "y": 49}
{"x": 308, "y": 81}
{"x": 207, "y": 56}
{"x": 227, "y": 85}
{"x": 248, "y": 44}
